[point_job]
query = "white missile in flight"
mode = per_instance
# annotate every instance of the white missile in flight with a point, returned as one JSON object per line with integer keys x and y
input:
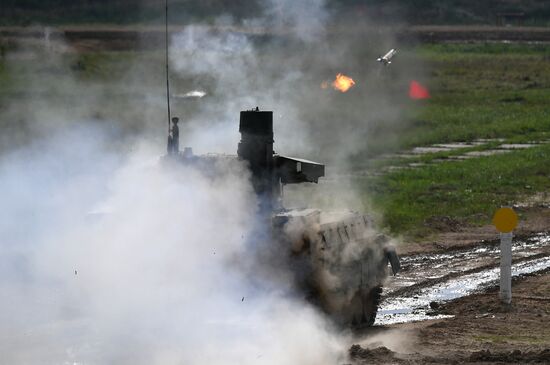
{"x": 386, "y": 59}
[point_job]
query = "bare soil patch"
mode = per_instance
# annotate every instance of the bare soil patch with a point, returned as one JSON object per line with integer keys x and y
{"x": 482, "y": 331}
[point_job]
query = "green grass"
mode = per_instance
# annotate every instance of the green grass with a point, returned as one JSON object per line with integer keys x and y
{"x": 483, "y": 91}
{"x": 378, "y": 164}
{"x": 469, "y": 191}
{"x": 478, "y": 91}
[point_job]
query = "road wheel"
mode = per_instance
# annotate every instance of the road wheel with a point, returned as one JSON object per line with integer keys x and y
{"x": 370, "y": 305}
{"x": 363, "y": 307}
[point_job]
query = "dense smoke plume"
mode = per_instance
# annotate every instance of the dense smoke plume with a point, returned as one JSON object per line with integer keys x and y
{"x": 107, "y": 256}
{"x": 280, "y": 64}
{"x": 115, "y": 259}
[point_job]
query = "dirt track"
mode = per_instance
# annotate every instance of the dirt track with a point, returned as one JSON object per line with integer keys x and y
{"x": 111, "y": 37}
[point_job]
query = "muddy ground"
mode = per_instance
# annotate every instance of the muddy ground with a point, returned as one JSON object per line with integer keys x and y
{"x": 476, "y": 328}
{"x": 481, "y": 331}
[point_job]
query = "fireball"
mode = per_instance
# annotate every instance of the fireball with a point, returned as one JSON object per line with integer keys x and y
{"x": 342, "y": 83}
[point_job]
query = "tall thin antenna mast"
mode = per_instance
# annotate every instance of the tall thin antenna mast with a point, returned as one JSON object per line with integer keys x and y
{"x": 167, "y": 67}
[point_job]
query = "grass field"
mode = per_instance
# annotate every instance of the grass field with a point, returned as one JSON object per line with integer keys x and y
{"x": 468, "y": 192}
{"x": 478, "y": 91}
{"x": 484, "y": 91}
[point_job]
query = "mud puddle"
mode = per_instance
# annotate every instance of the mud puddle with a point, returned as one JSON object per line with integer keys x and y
{"x": 423, "y": 267}
{"x": 447, "y": 276}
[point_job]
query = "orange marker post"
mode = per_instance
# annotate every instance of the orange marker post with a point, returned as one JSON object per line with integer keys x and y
{"x": 505, "y": 220}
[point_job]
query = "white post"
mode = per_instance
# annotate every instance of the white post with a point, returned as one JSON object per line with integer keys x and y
{"x": 506, "y": 267}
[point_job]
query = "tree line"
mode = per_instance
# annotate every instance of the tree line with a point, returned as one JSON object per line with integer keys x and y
{"x": 27, "y": 12}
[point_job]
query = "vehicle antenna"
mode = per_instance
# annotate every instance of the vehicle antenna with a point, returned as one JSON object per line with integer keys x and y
{"x": 167, "y": 67}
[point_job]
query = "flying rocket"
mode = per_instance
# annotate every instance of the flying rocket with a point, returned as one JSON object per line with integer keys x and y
{"x": 386, "y": 59}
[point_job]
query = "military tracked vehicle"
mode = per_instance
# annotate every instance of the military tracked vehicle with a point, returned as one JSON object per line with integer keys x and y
{"x": 337, "y": 259}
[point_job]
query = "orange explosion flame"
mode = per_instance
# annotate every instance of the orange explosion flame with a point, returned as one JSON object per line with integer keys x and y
{"x": 342, "y": 83}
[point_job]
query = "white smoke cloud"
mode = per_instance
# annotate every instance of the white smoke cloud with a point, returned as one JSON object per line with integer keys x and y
{"x": 242, "y": 79}
{"x": 305, "y": 19}
{"x": 244, "y": 72}
{"x": 200, "y": 50}
{"x": 279, "y": 64}
{"x": 106, "y": 257}
{"x": 117, "y": 259}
